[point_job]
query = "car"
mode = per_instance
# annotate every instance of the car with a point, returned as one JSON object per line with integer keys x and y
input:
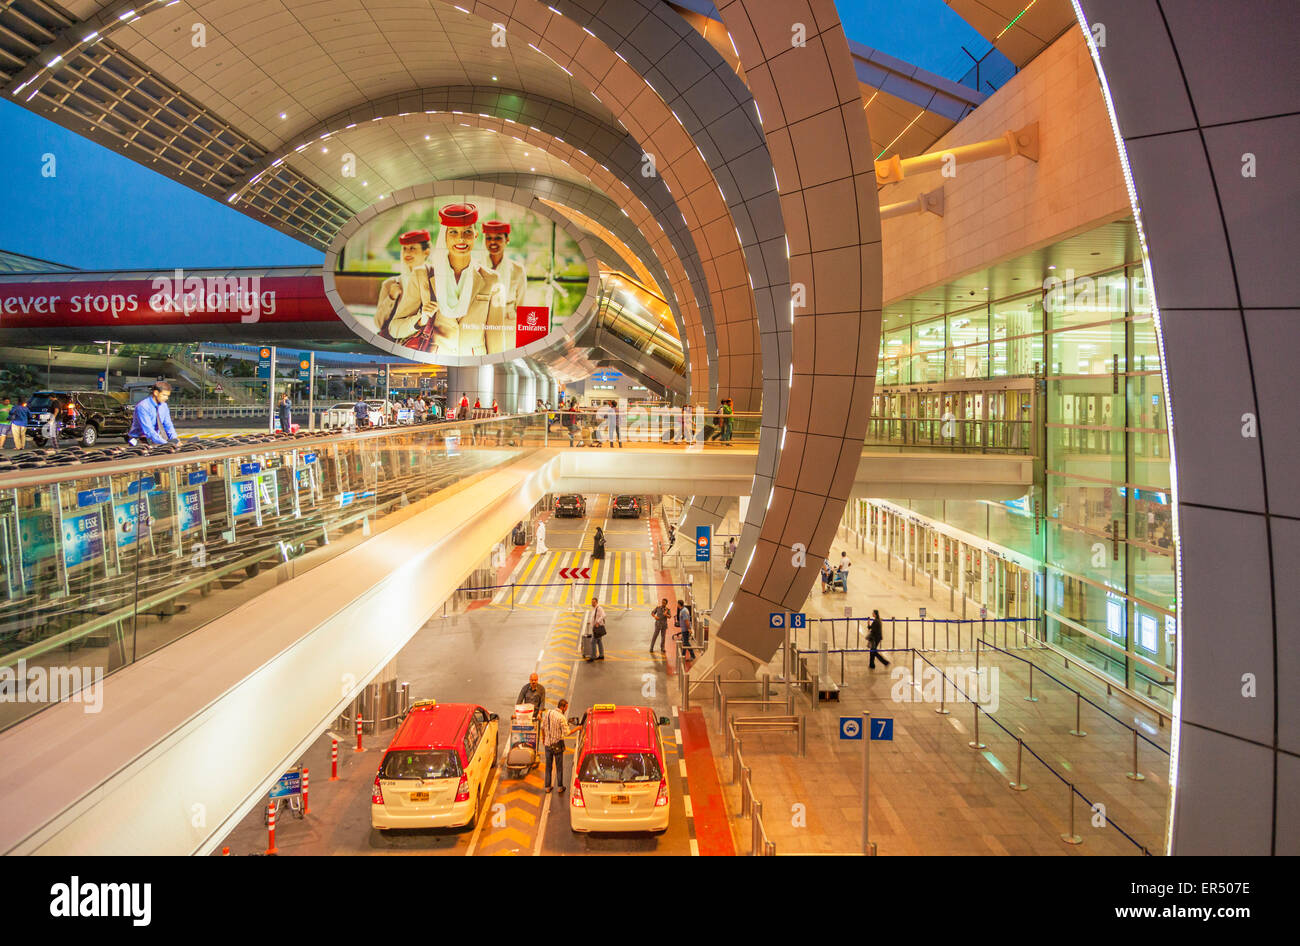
{"x": 436, "y": 770}
{"x": 571, "y": 504}
{"x": 89, "y": 416}
{"x": 626, "y": 506}
{"x": 620, "y": 780}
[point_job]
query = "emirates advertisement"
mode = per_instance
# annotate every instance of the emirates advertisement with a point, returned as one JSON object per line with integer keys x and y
{"x": 462, "y": 275}
{"x": 174, "y": 299}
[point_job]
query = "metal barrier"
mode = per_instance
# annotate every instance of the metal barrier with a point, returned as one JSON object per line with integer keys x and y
{"x": 759, "y": 843}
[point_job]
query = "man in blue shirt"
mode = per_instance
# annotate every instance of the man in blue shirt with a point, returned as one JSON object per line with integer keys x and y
{"x": 152, "y": 420}
{"x": 362, "y": 410}
{"x": 18, "y": 418}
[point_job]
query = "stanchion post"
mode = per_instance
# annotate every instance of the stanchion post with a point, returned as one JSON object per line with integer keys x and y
{"x": 975, "y": 743}
{"x": 943, "y": 695}
{"x": 359, "y": 748}
{"x": 334, "y": 759}
{"x": 1078, "y": 710}
{"x": 1071, "y": 837}
{"x": 1031, "y": 698}
{"x": 1019, "y": 784}
{"x": 1135, "y": 775}
{"x": 306, "y": 805}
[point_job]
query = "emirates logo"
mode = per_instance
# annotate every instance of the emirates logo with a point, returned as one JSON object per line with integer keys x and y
{"x": 532, "y": 318}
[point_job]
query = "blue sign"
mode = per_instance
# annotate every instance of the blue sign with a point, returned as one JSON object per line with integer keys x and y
{"x": 144, "y": 483}
{"x": 309, "y": 458}
{"x": 851, "y": 727}
{"x": 922, "y": 614}
{"x": 882, "y": 729}
{"x": 83, "y": 539}
{"x": 264, "y": 362}
{"x": 304, "y": 368}
{"x": 191, "y": 510}
{"x": 93, "y": 497}
{"x": 346, "y": 499}
{"x": 243, "y": 497}
{"x": 103, "y": 381}
{"x": 798, "y": 620}
{"x": 198, "y": 477}
{"x": 703, "y": 543}
{"x": 290, "y": 784}
{"x": 776, "y": 619}
{"x": 248, "y": 469}
{"x": 127, "y": 515}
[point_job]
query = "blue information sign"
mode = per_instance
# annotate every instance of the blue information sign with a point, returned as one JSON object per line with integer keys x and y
{"x": 199, "y": 476}
{"x": 264, "y": 362}
{"x": 309, "y": 458}
{"x": 144, "y": 484}
{"x": 798, "y": 620}
{"x": 248, "y": 469}
{"x": 304, "y": 368}
{"x": 882, "y": 729}
{"x": 93, "y": 497}
{"x": 703, "y": 543}
{"x": 290, "y": 784}
{"x": 850, "y": 727}
{"x": 776, "y": 619}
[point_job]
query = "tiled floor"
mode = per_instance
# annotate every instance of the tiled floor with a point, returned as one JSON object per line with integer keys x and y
{"x": 930, "y": 792}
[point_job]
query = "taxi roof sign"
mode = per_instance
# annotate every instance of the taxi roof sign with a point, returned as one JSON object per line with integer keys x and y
{"x": 604, "y": 708}
{"x": 418, "y": 704}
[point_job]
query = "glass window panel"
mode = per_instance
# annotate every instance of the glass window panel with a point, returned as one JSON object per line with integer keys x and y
{"x": 1081, "y": 300}
{"x": 928, "y": 343}
{"x": 1090, "y": 350}
{"x": 1085, "y": 553}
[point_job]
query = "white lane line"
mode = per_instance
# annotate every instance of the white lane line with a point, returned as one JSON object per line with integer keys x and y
{"x": 695, "y": 848}
{"x": 541, "y": 825}
{"x": 686, "y": 801}
{"x": 484, "y": 815}
{"x": 677, "y": 734}
{"x": 681, "y": 767}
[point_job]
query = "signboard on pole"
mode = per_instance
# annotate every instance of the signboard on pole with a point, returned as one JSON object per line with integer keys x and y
{"x": 264, "y": 363}
{"x": 882, "y": 729}
{"x": 304, "y": 369}
{"x": 703, "y": 543}
{"x": 850, "y": 727}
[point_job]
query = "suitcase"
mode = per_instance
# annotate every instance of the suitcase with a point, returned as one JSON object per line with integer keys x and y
{"x": 709, "y": 431}
{"x": 588, "y": 646}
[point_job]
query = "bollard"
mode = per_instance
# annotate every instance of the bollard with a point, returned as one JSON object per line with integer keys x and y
{"x": 1031, "y": 698}
{"x": 976, "y": 744}
{"x": 1078, "y": 708}
{"x": 359, "y": 746}
{"x": 270, "y": 828}
{"x": 1019, "y": 784}
{"x": 1135, "y": 775}
{"x": 306, "y": 807}
{"x": 225, "y": 852}
{"x": 334, "y": 759}
{"x": 1071, "y": 837}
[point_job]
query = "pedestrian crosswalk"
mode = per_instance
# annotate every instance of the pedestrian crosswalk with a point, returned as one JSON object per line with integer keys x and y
{"x": 621, "y": 579}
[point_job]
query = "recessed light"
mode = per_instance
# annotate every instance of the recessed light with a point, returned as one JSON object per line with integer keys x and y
{"x": 532, "y": 169}
{"x": 284, "y": 115}
{"x": 1051, "y": 267}
{"x": 494, "y": 78}
{"x": 365, "y": 183}
{"x": 324, "y": 150}
{"x": 426, "y": 137}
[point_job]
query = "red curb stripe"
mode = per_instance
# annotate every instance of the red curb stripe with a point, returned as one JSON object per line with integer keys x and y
{"x": 712, "y": 824}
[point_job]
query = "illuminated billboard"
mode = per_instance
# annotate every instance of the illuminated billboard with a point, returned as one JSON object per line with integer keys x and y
{"x": 459, "y": 276}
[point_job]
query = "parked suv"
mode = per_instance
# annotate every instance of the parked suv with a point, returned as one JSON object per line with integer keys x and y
{"x": 627, "y": 506}
{"x": 571, "y": 504}
{"x": 88, "y": 416}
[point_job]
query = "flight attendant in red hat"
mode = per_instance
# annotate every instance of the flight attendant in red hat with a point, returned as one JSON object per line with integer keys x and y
{"x": 406, "y": 302}
{"x": 466, "y": 292}
{"x": 513, "y": 282}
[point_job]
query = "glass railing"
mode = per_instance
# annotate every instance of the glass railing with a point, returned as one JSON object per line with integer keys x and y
{"x": 959, "y": 436}
{"x": 106, "y": 561}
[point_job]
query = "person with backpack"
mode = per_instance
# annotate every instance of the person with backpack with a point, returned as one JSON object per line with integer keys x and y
{"x": 597, "y": 631}
{"x": 660, "y": 614}
{"x": 875, "y": 634}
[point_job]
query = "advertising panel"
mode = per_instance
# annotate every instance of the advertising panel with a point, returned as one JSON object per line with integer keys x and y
{"x": 83, "y": 539}
{"x": 36, "y": 536}
{"x": 127, "y": 517}
{"x": 191, "y": 510}
{"x": 461, "y": 275}
{"x": 243, "y": 497}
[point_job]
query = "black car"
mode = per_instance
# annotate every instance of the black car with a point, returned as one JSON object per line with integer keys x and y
{"x": 572, "y": 504}
{"x": 87, "y": 416}
{"x": 626, "y": 506}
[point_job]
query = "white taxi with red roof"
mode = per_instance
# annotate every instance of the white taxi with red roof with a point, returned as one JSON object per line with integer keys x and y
{"x": 620, "y": 779}
{"x": 436, "y": 769}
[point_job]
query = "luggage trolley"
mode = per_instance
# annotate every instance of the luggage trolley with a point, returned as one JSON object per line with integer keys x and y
{"x": 522, "y": 751}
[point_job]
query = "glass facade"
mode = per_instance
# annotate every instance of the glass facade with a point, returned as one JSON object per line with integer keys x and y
{"x": 1099, "y": 519}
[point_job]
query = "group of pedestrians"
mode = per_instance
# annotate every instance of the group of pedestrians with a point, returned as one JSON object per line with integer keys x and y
{"x": 13, "y": 422}
{"x": 682, "y": 619}
{"x": 836, "y": 578}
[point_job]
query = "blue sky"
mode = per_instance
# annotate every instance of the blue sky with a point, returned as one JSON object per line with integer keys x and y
{"x": 103, "y": 211}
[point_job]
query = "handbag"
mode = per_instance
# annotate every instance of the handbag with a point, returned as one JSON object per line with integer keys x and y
{"x": 598, "y": 631}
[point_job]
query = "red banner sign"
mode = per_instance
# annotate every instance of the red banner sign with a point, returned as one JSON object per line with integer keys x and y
{"x": 165, "y": 300}
{"x": 531, "y": 323}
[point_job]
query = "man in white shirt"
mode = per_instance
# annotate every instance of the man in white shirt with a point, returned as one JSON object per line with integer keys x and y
{"x": 842, "y": 572}
{"x": 597, "y": 630}
{"x": 512, "y": 283}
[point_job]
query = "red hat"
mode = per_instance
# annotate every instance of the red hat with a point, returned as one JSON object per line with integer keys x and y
{"x": 458, "y": 215}
{"x": 413, "y": 236}
{"x": 496, "y": 226}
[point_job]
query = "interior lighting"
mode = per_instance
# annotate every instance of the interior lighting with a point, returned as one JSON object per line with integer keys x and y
{"x": 284, "y": 115}
{"x": 494, "y": 78}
